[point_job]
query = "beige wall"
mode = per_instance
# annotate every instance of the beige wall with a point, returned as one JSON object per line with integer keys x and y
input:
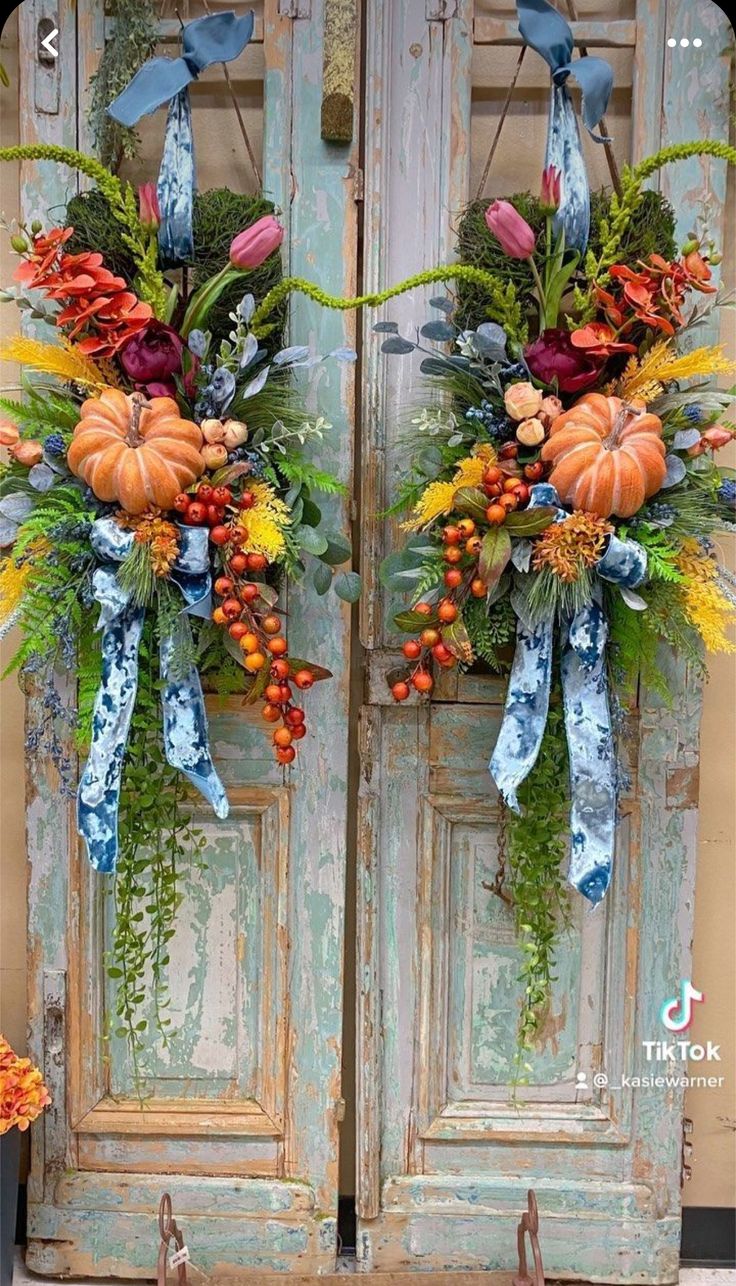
{"x": 516, "y": 166}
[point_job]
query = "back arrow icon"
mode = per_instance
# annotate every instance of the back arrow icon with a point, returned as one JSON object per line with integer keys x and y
{"x": 47, "y": 45}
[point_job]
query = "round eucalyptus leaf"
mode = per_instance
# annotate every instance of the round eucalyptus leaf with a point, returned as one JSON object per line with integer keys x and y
{"x": 312, "y": 540}
{"x": 322, "y": 578}
{"x": 348, "y": 586}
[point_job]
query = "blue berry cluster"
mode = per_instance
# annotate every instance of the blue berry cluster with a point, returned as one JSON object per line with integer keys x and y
{"x": 727, "y": 492}
{"x": 496, "y": 423}
{"x": 54, "y": 445}
{"x": 253, "y": 458}
{"x": 693, "y": 413}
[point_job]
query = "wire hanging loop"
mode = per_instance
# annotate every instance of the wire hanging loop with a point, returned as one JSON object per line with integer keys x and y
{"x": 171, "y": 1238}
{"x": 529, "y": 1225}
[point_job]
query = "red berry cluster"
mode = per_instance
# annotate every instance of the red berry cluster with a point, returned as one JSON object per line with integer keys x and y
{"x": 257, "y": 630}
{"x": 207, "y": 508}
{"x": 462, "y": 544}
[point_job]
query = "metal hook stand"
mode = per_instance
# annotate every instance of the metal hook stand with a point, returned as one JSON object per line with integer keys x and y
{"x": 529, "y": 1223}
{"x": 170, "y": 1233}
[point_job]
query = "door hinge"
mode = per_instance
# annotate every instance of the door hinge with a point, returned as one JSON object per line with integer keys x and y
{"x": 441, "y": 10}
{"x": 686, "y": 1172}
{"x": 295, "y": 8}
{"x": 358, "y": 185}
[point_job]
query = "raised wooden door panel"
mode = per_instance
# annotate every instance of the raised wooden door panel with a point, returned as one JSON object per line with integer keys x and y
{"x": 241, "y": 1118}
{"x": 448, "y": 1147}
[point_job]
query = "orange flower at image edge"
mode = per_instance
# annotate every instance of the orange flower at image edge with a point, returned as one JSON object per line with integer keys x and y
{"x": 23, "y": 1095}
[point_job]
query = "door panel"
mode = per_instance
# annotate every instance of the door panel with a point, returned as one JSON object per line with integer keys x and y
{"x": 448, "y": 1147}
{"x": 242, "y": 1112}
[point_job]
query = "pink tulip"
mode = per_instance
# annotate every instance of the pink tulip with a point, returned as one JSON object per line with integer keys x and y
{"x": 148, "y": 208}
{"x": 251, "y": 247}
{"x": 551, "y": 188}
{"x": 511, "y": 231}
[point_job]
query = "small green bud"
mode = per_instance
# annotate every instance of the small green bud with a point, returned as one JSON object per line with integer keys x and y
{"x": 689, "y": 246}
{"x": 714, "y": 260}
{"x": 19, "y": 244}
{"x": 36, "y": 227}
{"x": 6, "y": 297}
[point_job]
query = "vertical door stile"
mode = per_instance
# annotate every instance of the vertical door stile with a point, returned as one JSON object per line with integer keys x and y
{"x": 417, "y": 113}
{"x": 322, "y": 240}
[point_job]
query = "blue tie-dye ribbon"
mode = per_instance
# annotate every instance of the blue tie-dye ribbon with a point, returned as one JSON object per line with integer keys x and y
{"x": 586, "y": 709}
{"x": 218, "y": 38}
{"x": 185, "y": 737}
{"x": 547, "y": 32}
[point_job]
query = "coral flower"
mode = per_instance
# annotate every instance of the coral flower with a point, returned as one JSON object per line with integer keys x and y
{"x": 97, "y": 306}
{"x": 23, "y": 1095}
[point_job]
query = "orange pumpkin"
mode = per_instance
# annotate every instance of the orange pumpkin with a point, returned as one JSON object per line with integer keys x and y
{"x": 607, "y": 455}
{"x": 137, "y": 451}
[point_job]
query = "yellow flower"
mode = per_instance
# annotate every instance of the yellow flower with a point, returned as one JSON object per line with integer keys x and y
{"x": 264, "y": 523}
{"x": 706, "y": 607}
{"x": 62, "y": 360}
{"x": 439, "y": 497}
{"x": 13, "y": 578}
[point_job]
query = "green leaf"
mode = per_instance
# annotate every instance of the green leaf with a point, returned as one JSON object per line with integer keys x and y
{"x": 472, "y": 501}
{"x": 348, "y": 586}
{"x": 456, "y": 638}
{"x": 317, "y": 671}
{"x": 322, "y": 578}
{"x": 339, "y": 549}
{"x": 411, "y": 622}
{"x": 495, "y": 552}
{"x": 530, "y": 521}
{"x": 312, "y": 540}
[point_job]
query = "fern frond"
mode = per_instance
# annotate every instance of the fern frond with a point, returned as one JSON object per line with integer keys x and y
{"x": 303, "y": 473}
{"x": 62, "y": 360}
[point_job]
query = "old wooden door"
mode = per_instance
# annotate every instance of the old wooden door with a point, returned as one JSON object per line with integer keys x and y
{"x": 242, "y": 1123}
{"x": 445, "y": 1158}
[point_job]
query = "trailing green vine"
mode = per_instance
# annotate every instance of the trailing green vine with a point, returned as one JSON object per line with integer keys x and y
{"x": 537, "y": 843}
{"x": 149, "y": 283}
{"x": 501, "y": 296}
{"x": 132, "y": 42}
{"x": 156, "y": 835}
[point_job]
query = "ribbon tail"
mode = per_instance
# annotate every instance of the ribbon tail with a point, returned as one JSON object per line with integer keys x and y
{"x": 565, "y": 153}
{"x": 186, "y": 741}
{"x": 175, "y": 187}
{"x": 591, "y": 753}
{"x": 525, "y": 712}
{"x": 98, "y": 797}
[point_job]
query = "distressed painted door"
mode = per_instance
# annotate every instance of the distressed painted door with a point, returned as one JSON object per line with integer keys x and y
{"x": 445, "y": 1156}
{"x": 241, "y": 1125}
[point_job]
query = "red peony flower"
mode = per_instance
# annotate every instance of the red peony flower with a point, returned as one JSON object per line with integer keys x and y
{"x": 554, "y": 359}
{"x": 151, "y": 357}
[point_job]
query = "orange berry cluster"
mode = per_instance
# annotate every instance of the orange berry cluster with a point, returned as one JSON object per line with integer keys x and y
{"x": 427, "y": 648}
{"x": 207, "y": 508}
{"x": 461, "y": 547}
{"x": 257, "y": 631}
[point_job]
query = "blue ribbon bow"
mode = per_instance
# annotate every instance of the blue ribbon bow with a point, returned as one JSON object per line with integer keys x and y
{"x": 587, "y": 714}
{"x": 184, "y": 720}
{"x": 218, "y": 38}
{"x": 542, "y": 27}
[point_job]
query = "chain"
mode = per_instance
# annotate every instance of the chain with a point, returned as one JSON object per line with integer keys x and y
{"x": 498, "y": 885}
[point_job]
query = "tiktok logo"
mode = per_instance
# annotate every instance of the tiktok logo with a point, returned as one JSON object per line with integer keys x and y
{"x": 677, "y": 1014}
